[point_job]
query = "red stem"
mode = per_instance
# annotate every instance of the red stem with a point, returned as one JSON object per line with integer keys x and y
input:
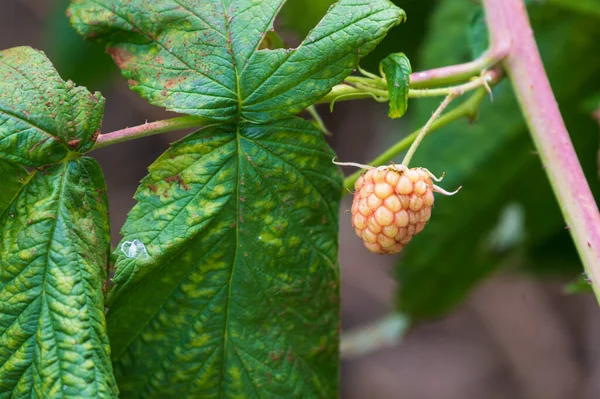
{"x": 524, "y": 66}
{"x": 459, "y": 72}
{"x": 149, "y": 129}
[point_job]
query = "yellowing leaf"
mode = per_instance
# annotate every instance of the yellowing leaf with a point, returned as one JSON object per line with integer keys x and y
{"x": 42, "y": 117}
{"x": 203, "y": 58}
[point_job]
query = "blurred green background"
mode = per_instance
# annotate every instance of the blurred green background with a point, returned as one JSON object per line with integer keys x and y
{"x": 486, "y": 281}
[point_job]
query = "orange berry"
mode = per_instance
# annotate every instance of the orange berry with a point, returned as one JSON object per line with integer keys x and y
{"x": 391, "y": 205}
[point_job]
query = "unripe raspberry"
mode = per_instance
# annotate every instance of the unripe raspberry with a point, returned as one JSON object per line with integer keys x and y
{"x": 391, "y": 205}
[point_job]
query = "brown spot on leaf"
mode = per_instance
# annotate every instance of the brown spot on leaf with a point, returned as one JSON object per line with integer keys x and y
{"x": 74, "y": 143}
{"x": 323, "y": 347}
{"x": 95, "y": 135}
{"x": 170, "y": 83}
{"x": 290, "y": 356}
{"x": 179, "y": 181}
{"x": 121, "y": 56}
{"x": 275, "y": 357}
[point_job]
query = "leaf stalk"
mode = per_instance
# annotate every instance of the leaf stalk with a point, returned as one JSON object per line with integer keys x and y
{"x": 149, "y": 129}
{"x": 460, "y": 72}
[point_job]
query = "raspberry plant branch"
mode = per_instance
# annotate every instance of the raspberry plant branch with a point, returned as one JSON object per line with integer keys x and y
{"x": 357, "y": 87}
{"x": 460, "y": 72}
{"x": 467, "y": 109}
{"x": 341, "y": 92}
{"x": 149, "y": 129}
{"x": 475, "y": 83}
{"x": 524, "y": 66}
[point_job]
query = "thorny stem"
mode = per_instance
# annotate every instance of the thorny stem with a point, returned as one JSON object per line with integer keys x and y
{"x": 507, "y": 19}
{"x": 149, "y": 129}
{"x": 467, "y": 109}
{"x": 461, "y": 72}
{"x": 437, "y": 113}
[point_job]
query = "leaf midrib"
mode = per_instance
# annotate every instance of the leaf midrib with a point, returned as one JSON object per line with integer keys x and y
{"x": 233, "y": 60}
{"x": 235, "y": 256}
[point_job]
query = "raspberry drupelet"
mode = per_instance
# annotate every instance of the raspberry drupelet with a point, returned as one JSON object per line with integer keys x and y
{"x": 391, "y": 205}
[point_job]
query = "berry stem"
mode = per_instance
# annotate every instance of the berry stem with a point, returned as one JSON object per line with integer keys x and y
{"x": 149, "y": 129}
{"x": 508, "y": 20}
{"x": 436, "y": 114}
{"x": 467, "y": 109}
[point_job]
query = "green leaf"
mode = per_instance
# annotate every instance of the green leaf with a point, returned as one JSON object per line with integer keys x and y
{"x": 397, "y": 70}
{"x": 42, "y": 117}
{"x": 592, "y": 103}
{"x": 234, "y": 289}
{"x": 494, "y": 160}
{"x": 553, "y": 257}
{"x": 478, "y": 33}
{"x": 13, "y": 179}
{"x": 54, "y": 241}
{"x": 202, "y": 58}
